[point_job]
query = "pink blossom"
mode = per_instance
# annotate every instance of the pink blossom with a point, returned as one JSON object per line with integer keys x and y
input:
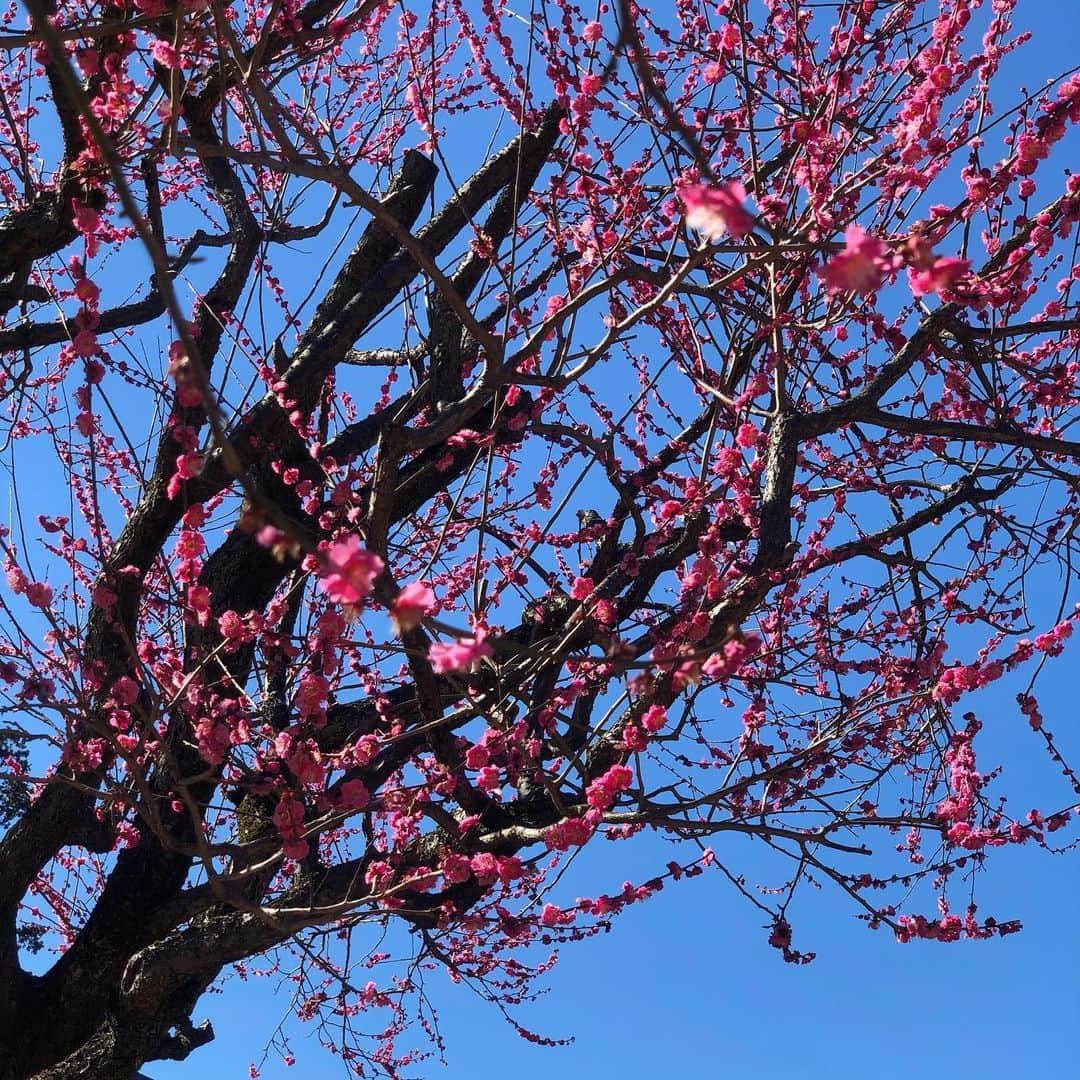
{"x": 604, "y": 790}
{"x": 604, "y": 612}
{"x": 485, "y": 866}
{"x": 349, "y": 571}
{"x": 212, "y": 738}
{"x": 717, "y": 211}
{"x": 188, "y": 466}
{"x": 858, "y": 268}
{"x": 551, "y": 915}
{"x": 85, "y": 343}
{"x": 747, "y": 436}
{"x": 942, "y": 275}
{"x": 582, "y": 588}
{"x": 87, "y": 291}
{"x": 39, "y": 594}
{"x": 307, "y": 766}
{"x": 509, "y": 867}
{"x": 593, "y": 32}
{"x": 231, "y": 625}
{"x": 489, "y": 779}
{"x": 311, "y": 695}
{"x": 411, "y": 606}
{"x": 165, "y": 54}
{"x": 655, "y": 718}
{"x": 126, "y": 690}
{"x": 87, "y": 220}
{"x": 461, "y": 655}
{"x": 572, "y": 832}
{"x": 89, "y": 61}
{"x": 354, "y": 795}
{"x": 591, "y": 84}
{"x": 456, "y": 869}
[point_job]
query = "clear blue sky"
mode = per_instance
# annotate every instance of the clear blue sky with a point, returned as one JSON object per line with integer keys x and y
{"x": 686, "y": 986}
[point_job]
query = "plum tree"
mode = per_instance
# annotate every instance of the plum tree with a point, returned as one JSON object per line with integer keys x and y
{"x": 440, "y": 435}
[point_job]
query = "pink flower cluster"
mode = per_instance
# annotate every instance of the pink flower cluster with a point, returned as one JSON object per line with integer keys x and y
{"x": 289, "y": 819}
{"x": 604, "y": 790}
{"x": 573, "y": 832}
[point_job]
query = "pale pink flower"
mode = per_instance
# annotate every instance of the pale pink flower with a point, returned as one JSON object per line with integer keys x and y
{"x": 461, "y": 655}
{"x": 945, "y": 273}
{"x": 413, "y": 602}
{"x": 858, "y": 268}
{"x": 717, "y": 211}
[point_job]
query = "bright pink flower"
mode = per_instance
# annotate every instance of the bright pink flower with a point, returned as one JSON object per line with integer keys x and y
{"x": 89, "y": 61}
{"x": 858, "y": 268}
{"x": 307, "y": 766}
{"x": 188, "y": 466}
{"x": 212, "y": 738}
{"x": 551, "y": 915}
{"x": 489, "y": 779}
{"x": 231, "y": 625}
{"x": 126, "y": 690}
{"x": 413, "y": 602}
{"x": 593, "y": 32}
{"x": 572, "y": 832}
{"x": 717, "y": 211}
{"x": 582, "y": 588}
{"x": 509, "y": 867}
{"x": 747, "y": 436}
{"x": 655, "y": 718}
{"x": 461, "y": 655}
{"x": 591, "y": 84}
{"x": 311, "y": 695}
{"x": 349, "y": 571}
{"x": 87, "y": 220}
{"x": 604, "y": 612}
{"x": 485, "y": 866}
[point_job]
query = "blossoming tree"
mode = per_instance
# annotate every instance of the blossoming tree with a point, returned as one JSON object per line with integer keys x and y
{"x": 442, "y": 436}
